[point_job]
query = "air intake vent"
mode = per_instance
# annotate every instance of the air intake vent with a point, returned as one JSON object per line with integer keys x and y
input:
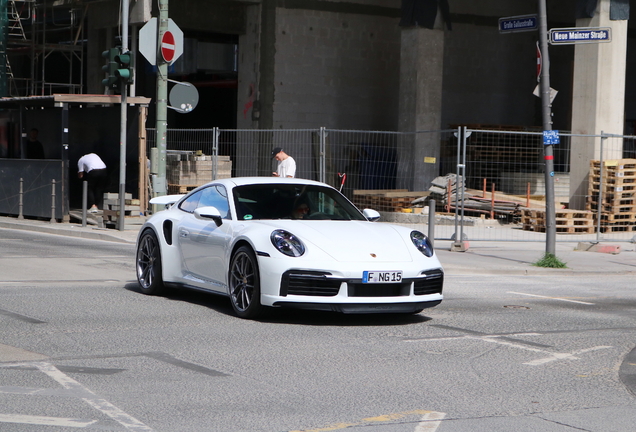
{"x": 432, "y": 283}
{"x": 309, "y": 283}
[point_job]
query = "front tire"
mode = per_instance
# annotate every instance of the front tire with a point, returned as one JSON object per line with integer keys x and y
{"x": 148, "y": 265}
{"x": 245, "y": 285}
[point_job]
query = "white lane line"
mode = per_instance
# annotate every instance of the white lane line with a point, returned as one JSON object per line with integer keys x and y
{"x": 64, "y": 257}
{"x": 45, "y": 421}
{"x": 571, "y": 356}
{"x": 91, "y": 398}
{"x": 551, "y": 298}
{"x": 430, "y": 422}
{"x": 551, "y": 356}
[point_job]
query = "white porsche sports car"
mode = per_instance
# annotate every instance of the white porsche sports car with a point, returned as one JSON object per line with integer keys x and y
{"x": 274, "y": 242}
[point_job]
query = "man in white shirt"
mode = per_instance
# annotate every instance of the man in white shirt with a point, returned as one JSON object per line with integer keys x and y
{"x": 286, "y": 164}
{"x": 93, "y": 169}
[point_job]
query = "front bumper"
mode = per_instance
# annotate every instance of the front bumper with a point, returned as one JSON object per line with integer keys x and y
{"x": 321, "y": 290}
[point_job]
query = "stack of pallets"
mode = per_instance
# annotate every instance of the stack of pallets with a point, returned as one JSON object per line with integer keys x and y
{"x": 388, "y": 200}
{"x": 612, "y": 189}
{"x": 567, "y": 221}
{"x": 132, "y": 209}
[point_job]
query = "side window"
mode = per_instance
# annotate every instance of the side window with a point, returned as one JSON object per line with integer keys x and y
{"x": 215, "y": 196}
{"x": 191, "y": 203}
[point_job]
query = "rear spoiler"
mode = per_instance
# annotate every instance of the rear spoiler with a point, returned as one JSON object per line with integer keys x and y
{"x": 166, "y": 200}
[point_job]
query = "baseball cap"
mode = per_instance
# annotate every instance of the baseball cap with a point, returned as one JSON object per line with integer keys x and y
{"x": 276, "y": 151}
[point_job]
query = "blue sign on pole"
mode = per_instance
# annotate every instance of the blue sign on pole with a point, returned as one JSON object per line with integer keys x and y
{"x": 518, "y": 24}
{"x": 576, "y": 35}
{"x": 551, "y": 137}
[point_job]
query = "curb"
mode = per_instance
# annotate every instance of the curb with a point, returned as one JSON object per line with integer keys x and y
{"x": 65, "y": 231}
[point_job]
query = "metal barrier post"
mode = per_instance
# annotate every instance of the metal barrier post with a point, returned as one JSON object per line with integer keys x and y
{"x": 215, "y": 152}
{"x": 21, "y": 204}
{"x": 52, "y": 201}
{"x": 599, "y": 200}
{"x": 459, "y": 142}
{"x": 462, "y": 166}
{"x": 323, "y": 154}
{"x": 431, "y": 221}
{"x": 84, "y": 201}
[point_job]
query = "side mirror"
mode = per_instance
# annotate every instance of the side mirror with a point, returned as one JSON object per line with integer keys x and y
{"x": 209, "y": 213}
{"x": 371, "y": 215}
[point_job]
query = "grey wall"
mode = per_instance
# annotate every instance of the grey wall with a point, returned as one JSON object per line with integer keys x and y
{"x": 336, "y": 69}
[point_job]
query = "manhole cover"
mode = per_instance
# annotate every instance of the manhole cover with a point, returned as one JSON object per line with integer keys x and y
{"x": 516, "y": 307}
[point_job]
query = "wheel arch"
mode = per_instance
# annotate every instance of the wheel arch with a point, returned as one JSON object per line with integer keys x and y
{"x": 168, "y": 252}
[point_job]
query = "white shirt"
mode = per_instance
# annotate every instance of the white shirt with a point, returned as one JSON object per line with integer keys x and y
{"x": 287, "y": 167}
{"x": 89, "y": 162}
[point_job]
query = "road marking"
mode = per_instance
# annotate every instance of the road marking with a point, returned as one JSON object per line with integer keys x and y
{"x": 45, "y": 421}
{"x": 99, "y": 404}
{"x": 570, "y": 356}
{"x": 92, "y": 257}
{"x": 551, "y": 298}
{"x": 102, "y": 405}
{"x": 497, "y": 340}
{"x": 429, "y": 421}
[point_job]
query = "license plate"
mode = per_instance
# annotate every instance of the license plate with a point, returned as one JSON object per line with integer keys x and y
{"x": 393, "y": 276}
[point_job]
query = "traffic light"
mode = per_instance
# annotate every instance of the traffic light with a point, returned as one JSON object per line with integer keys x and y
{"x": 110, "y": 68}
{"x": 124, "y": 67}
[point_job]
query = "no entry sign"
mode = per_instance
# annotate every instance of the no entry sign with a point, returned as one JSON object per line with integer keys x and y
{"x": 148, "y": 42}
{"x": 167, "y": 46}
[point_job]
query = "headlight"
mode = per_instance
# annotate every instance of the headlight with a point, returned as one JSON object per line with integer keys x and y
{"x": 422, "y": 243}
{"x": 287, "y": 243}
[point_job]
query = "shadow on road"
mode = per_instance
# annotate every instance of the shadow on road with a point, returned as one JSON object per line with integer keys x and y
{"x": 222, "y": 305}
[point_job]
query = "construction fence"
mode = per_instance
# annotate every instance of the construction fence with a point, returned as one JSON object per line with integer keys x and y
{"x": 490, "y": 181}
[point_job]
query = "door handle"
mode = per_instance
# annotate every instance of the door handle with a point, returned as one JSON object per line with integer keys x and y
{"x": 184, "y": 233}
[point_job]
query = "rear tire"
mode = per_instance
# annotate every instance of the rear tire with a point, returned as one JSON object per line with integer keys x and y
{"x": 245, "y": 284}
{"x": 148, "y": 265}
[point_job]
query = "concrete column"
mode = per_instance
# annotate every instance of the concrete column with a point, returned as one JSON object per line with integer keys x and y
{"x": 598, "y": 99}
{"x": 420, "y": 107}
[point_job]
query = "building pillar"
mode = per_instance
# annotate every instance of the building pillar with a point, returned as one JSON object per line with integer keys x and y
{"x": 598, "y": 98}
{"x": 420, "y": 106}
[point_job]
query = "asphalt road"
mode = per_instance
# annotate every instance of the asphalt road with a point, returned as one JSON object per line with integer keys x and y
{"x": 82, "y": 349}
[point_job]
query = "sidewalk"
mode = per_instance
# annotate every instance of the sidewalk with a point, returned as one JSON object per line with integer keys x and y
{"x": 482, "y": 257}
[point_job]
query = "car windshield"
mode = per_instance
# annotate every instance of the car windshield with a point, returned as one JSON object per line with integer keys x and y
{"x": 292, "y": 201}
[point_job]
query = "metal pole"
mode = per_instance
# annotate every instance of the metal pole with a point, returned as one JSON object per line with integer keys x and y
{"x": 599, "y": 199}
{"x": 462, "y": 166}
{"x": 160, "y": 185}
{"x": 123, "y": 118}
{"x": 459, "y": 152}
{"x": 52, "y": 201}
{"x": 550, "y": 212}
{"x": 21, "y": 205}
{"x": 323, "y": 154}
{"x": 431, "y": 221}
{"x": 215, "y": 152}
{"x": 84, "y": 201}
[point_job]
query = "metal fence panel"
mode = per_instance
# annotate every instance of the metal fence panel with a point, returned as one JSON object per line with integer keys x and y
{"x": 502, "y": 171}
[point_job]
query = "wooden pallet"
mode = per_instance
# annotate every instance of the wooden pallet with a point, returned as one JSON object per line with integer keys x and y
{"x": 390, "y": 200}
{"x": 618, "y": 227}
{"x": 609, "y": 218}
{"x": 174, "y": 189}
{"x": 567, "y": 221}
{"x": 615, "y": 164}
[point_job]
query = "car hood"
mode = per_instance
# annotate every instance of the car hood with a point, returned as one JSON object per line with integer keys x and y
{"x": 351, "y": 241}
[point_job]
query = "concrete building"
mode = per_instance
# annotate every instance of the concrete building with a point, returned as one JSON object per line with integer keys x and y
{"x": 397, "y": 65}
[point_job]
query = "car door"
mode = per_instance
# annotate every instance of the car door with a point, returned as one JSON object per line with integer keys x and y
{"x": 203, "y": 244}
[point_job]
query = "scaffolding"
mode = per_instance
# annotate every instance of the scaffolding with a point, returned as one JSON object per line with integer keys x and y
{"x": 45, "y": 48}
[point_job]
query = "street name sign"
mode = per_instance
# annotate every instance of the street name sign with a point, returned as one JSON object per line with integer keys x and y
{"x": 577, "y": 35}
{"x": 551, "y": 137}
{"x": 521, "y": 23}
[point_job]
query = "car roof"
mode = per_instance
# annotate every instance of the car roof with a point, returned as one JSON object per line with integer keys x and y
{"x": 242, "y": 181}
